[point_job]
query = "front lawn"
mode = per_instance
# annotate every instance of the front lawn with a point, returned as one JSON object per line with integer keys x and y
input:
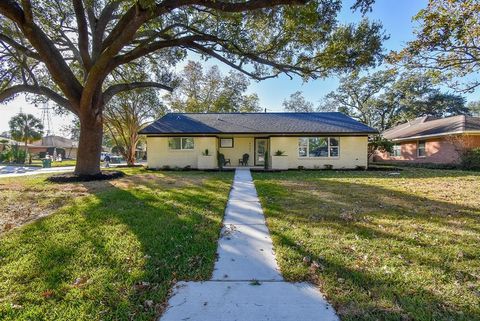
{"x": 381, "y": 246}
{"x": 109, "y": 250}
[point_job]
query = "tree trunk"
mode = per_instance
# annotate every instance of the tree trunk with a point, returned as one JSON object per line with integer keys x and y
{"x": 27, "y": 155}
{"x": 131, "y": 149}
{"x": 89, "y": 145}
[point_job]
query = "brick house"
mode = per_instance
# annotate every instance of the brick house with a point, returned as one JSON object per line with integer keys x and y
{"x": 431, "y": 140}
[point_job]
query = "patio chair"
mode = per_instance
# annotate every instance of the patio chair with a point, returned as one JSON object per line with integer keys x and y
{"x": 244, "y": 160}
{"x": 222, "y": 160}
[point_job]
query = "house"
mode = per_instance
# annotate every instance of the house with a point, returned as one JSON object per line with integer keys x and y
{"x": 431, "y": 140}
{"x": 54, "y": 145}
{"x": 309, "y": 140}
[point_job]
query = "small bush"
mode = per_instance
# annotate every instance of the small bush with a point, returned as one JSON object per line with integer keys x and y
{"x": 301, "y": 167}
{"x": 280, "y": 153}
{"x": 470, "y": 160}
{"x": 328, "y": 166}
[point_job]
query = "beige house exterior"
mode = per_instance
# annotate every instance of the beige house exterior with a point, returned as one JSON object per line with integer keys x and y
{"x": 352, "y": 153}
{"x": 166, "y": 148}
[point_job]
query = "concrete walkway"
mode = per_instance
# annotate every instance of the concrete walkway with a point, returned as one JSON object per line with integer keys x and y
{"x": 246, "y": 284}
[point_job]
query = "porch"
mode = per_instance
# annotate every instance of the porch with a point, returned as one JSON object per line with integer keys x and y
{"x": 243, "y": 151}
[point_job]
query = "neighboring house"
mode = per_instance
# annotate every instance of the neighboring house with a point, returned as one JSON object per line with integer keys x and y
{"x": 430, "y": 140}
{"x": 55, "y": 145}
{"x": 311, "y": 140}
{"x": 4, "y": 140}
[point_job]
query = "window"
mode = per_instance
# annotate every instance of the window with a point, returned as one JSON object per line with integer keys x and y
{"x": 397, "y": 150}
{"x": 226, "y": 142}
{"x": 318, "y": 147}
{"x": 421, "y": 148}
{"x": 180, "y": 143}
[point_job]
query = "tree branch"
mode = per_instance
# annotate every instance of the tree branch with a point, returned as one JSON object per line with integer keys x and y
{"x": 82, "y": 34}
{"x": 118, "y": 88}
{"x": 26, "y": 51}
{"x": 39, "y": 90}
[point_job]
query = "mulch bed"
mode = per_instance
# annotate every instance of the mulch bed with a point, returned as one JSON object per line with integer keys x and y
{"x": 72, "y": 178}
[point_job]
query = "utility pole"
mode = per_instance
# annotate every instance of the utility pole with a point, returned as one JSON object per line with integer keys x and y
{"x": 47, "y": 120}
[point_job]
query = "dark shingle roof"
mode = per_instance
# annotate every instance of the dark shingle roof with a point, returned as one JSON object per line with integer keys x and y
{"x": 428, "y": 126}
{"x": 250, "y": 123}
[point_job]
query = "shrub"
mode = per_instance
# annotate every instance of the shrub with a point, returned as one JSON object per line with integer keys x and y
{"x": 266, "y": 160}
{"x": 470, "y": 160}
{"x": 280, "y": 153}
{"x": 328, "y": 166}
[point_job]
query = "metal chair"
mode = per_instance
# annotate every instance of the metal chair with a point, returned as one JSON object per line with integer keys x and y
{"x": 244, "y": 160}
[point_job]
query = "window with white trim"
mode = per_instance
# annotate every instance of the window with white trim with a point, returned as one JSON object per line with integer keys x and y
{"x": 421, "y": 149}
{"x": 226, "y": 142}
{"x": 318, "y": 147}
{"x": 180, "y": 143}
{"x": 397, "y": 150}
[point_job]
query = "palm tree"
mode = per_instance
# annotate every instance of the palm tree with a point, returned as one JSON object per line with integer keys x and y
{"x": 26, "y": 128}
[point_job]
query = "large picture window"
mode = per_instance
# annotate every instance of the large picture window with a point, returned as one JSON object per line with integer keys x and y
{"x": 318, "y": 147}
{"x": 180, "y": 143}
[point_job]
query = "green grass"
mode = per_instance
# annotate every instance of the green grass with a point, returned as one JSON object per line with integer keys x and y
{"x": 65, "y": 162}
{"x": 380, "y": 246}
{"x": 38, "y": 163}
{"x": 111, "y": 247}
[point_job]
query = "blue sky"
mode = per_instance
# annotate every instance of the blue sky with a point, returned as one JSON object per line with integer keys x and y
{"x": 396, "y": 17}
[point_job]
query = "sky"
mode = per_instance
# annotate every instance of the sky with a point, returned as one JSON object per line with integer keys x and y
{"x": 395, "y": 15}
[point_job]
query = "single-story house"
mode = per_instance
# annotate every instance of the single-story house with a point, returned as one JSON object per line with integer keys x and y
{"x": 54, "y": 145}
{"x": 308, "y": 140}
{"x": 432, "y": 140}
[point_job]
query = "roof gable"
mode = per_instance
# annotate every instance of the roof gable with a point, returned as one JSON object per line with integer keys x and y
{"x": 250, "y": 123}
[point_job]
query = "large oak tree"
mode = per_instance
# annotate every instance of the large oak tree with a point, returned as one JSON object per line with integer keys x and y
{"x": 77, "y": 52}
{"x": 386, "y": 98}
{"x": 447, "y": 43}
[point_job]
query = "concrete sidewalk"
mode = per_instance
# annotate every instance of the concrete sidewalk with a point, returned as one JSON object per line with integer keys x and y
{"x": 246, "y": 284}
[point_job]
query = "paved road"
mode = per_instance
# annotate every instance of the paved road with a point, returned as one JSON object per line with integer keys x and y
{"x": 246, "y": 284}
{"x": 13, "y": 171}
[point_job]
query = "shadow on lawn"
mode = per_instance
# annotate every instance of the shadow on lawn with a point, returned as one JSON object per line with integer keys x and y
{"x": 105, "y": 255}
{"x": 408, "y": 232}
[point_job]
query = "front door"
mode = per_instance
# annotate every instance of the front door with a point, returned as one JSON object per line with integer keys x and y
{"x": 261, "y": 145}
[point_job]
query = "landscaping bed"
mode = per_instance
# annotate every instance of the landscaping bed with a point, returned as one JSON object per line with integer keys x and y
{"x": 109, "y": 250}
{"x": 380, "y": 246}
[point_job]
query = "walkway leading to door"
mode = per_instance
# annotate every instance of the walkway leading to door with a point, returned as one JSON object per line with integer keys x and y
{"x": 246, "y": 283}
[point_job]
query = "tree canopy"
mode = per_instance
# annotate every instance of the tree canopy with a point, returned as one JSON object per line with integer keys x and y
{"x": 447, "y": 42}
{"x": 297, "y": 103}
{"x": 26, "y": 128}
{"x": 126, "y": 114}
{"x": 385, "y": 98}
{"x": 77, "y": 53}
{"x": 210, "y": 91}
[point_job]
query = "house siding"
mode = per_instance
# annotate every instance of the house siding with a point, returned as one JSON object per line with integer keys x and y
{"x": 440, "y": 150}
{"x": 160, "y": 155}
{"x": 353, "y": 152}
{"x": 241, "y": 145}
